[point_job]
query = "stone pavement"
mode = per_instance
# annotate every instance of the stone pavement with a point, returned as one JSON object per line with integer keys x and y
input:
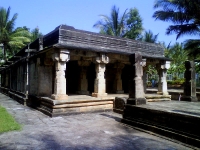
{"x": 84, "y": 131}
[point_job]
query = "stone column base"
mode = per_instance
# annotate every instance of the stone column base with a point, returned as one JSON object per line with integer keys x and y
{"x": 120, "y": 92}
{"x": 99, "y": 94}
{"x": 162, "y": 93}
{"x": 136, "y": 101}
{"x": 189, "y": 98}
{"x": 59, "y": 97}
{"x": 83, "y": 92}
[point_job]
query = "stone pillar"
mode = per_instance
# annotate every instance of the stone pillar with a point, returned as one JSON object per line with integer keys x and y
{"x": 144, "y": 77}
{"x": 60, "y": 57}
{"x": 83, "y": 82}
{"x": 100, "y": 82}
{"x": 162, "y": 72}
{"x": 136, "y": 89}
{"x": 190, "y": 84}
{"x": 118, "y": 81}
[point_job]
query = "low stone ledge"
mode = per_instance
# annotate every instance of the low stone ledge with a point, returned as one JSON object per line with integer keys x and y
{"x": 61, "y": 102}
{"x": 119, "y": 104}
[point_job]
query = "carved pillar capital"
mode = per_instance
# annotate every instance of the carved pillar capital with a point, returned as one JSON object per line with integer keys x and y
{"x": 101, "y": 59}
{"x": 163, "y": 65}
{"x": 61, "y": 55}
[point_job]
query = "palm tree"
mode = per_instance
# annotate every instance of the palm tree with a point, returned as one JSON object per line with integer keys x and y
{"x": 149, "y": 37}
{"x": 193, "y": 48}
{"x": 113, "y": 25}
{"x": 184, "y": 14}
{"x": 12, "y": 39}
{"x": 128, "y": 25}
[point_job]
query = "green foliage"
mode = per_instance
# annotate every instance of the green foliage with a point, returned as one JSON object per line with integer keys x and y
{"x": 7, "y": 122}
{"x": 134, "y": 24}
{"x": 176, "y": 82}
{"x": 129, "y": 25}
{"x": 35, "y": 33}
{"x": 12, "y": 39}
{"x": 178, "y": 55}
{"x": 149, "y": 37}
{"x": 184, "y": 15}
{"x": 193, "y": 48}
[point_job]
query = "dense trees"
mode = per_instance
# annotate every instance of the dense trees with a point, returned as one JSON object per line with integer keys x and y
{"x": 178, "y": 55}
{"x": 11, "y": 38}
{"x": 128, "y": 25}
{"x": 185, "y": 17}
{"x": 14, "y": 39}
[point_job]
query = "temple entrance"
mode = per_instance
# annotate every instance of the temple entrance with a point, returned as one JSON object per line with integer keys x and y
{"x": 126, "y": 76}
{"x": 91, "y": 75}
{"x": 72, "y": 76}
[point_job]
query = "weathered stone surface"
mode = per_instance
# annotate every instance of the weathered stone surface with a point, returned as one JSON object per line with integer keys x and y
{"x": 83, "y": 82}
{"x": 118, "y": 81}
{"x": 190, "y": 83}
{"x": 162, "y": 71}
{"x": 60, "y": 57}
{"x": 100, "y": 83}
{"x": 136, "y": 89}
{"x": 84, "y": 131}
{"x": 119, "y": 104}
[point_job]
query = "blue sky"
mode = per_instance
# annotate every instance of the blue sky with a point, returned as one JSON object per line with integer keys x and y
{"x": 82, "y": 14}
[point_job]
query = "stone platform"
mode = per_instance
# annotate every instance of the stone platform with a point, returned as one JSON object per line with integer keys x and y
{"x": 77, "y": 104}
{"x": 86, "y": 103}
{"x": 91, "y": 131}
{"x": 174, "y": 119}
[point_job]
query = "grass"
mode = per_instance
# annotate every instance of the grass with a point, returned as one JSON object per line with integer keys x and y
{"x": 7, "y": 122}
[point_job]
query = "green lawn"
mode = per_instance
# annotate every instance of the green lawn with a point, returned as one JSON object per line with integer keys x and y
{"x": 7, "y": 122}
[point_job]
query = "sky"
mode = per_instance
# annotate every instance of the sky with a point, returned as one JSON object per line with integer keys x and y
{"x": 82, "y": 14}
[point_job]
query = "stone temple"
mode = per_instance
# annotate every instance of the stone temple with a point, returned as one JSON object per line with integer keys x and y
{"x": 71, "y": 71}
{"x": 52, "y": 71}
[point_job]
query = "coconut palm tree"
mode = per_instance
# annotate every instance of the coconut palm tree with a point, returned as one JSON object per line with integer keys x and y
{"x": 12, "y": 39}
{"x": 184, "y": 15}
{"x": 128, "y": 25}
{"x": 149, "y": 37}
{"x": 193, "y": 48}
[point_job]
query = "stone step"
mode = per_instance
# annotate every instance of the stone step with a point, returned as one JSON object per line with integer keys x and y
{"x": 158, "y": 100}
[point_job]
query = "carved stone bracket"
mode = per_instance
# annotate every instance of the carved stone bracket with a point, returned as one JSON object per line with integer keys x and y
{"x": 101, "y": 59}
{"x": 61, "y": 55}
